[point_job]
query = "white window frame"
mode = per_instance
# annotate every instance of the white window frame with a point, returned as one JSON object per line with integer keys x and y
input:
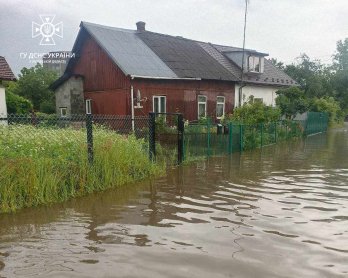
{"x": 205, "y": 105}
{"x": 159, "y": 104}
{"x": 251, "y": 67}
{"x": 223, "y": 107}
{"x": 63, "y": 115}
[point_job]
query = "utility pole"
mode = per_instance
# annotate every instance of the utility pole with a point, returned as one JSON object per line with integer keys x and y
{"x": 240, "y": 93}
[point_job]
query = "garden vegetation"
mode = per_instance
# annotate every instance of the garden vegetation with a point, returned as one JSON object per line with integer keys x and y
{"x": 42, "y": 165}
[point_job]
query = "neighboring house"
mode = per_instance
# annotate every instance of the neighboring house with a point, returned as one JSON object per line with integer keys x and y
{"x": 56, "y": 61}
{"x": 6, "y": 74}
{"x": 116, "y": 67}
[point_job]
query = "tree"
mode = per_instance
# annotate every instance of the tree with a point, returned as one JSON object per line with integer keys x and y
{"x": 278, "y": 64}
{"x": 340, "y": 76}
{"x": 312, "y": 76}
{"x": 341, "y": 56}
{"x": 17, "y": 104}
{"x": 33, "y": 85}
{"x": 292, "y": 101}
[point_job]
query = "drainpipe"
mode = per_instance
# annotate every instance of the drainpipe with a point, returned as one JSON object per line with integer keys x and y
{"x": 132, "y": 107}
{"x": 240, "y": 94}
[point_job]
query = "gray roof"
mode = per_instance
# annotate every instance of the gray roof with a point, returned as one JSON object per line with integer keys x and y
{"x": 270, "y": 76}
{"x": 185, "y": 57}
{"x": 148, "y": 54}
{"x": 128, "y": 51}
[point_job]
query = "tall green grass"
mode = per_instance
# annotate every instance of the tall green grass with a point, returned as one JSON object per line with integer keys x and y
{"x": 47, "y": 165}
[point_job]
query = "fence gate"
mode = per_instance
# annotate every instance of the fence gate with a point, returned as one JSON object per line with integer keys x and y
{"x": 166, "y": 136}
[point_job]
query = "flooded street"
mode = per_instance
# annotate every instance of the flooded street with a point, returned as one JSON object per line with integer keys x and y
{"x": 277, "y": 212}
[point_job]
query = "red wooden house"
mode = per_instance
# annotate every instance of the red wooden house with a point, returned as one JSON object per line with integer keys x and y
{"x": 116, "y": 68}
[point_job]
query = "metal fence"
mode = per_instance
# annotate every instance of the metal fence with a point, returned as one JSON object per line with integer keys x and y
{"x": 210, "y": 140}
{"x": 316, "y": 122}
{"x": 38, "y": 129}
{"x": 165, "y": 134}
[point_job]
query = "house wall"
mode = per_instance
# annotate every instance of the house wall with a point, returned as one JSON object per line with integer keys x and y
{"x": 109, "y": 88}
{"x": 3, "y": 107}
{"x": 70, "y": 95}
{"x": 267, "y": 93}
{"x": 99, "y": 72}
{"x": 181, "y": 95}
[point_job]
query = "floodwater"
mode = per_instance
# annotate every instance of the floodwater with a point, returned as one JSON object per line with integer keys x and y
{"x": 277, "y": 212}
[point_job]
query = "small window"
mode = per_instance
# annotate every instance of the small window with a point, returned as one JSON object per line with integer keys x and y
{"x": 256, "y": 99}
{"x": 159, "y": 104}
{"x": 202, "y": 107}
{"x": 63, "y": 112}
{"x": 220, "y": 107}
{"x": 255, "y": 64}
{"x": 88, "y": 106}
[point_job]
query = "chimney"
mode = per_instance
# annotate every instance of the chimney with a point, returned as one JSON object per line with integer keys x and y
{"x": 141, "y": 26}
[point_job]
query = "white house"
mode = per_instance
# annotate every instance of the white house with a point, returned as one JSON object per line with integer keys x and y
{"x": 6, "y": 74}
{"x": 259, "y": 78}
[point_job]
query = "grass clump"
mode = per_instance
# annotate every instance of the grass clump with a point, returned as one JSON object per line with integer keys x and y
{"x": 47, "y": 165}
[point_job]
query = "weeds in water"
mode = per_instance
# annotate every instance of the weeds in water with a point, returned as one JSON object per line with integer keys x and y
{"x": 47, "y": 165}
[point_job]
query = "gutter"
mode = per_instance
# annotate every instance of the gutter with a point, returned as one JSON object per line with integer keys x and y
{"x": 164, "y": 78}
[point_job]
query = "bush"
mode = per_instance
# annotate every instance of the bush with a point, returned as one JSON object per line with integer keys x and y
{"x": 17, "y": 104}
{"x": 291, "y": 101}
{"x": 252, "y": 113}
{"x": 330, "y": 106}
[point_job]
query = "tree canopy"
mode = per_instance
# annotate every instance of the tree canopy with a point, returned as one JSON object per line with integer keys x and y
{"x": 33, "y": 85}
{"x": 322, "y": 87}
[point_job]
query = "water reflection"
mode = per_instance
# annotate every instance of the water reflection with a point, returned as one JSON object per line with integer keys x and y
{"x": 276, "y": 212}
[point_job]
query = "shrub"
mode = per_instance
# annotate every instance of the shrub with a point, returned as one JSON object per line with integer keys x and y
{"x": 330, "y": 106}
{"x": 252, "y": 113}
{"x": 17, "y": 104}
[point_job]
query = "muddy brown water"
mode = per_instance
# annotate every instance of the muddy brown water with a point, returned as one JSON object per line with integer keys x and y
{"x": 277, "y": 212}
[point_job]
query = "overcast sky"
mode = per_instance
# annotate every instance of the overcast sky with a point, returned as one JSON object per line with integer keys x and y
{"x": 282, "y": 28}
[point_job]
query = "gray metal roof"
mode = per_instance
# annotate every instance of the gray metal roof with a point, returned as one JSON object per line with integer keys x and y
{"x": 128, "y": 51}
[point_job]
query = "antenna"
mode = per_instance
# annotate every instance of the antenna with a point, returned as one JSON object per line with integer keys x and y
{"x": 242, "y": 75}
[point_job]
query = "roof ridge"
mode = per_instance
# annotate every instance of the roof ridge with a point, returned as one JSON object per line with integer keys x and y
{"x": 85, "y": 24}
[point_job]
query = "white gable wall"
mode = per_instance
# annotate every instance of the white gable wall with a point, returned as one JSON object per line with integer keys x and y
{"x": 3, "y": 107}
{"x": 267, "y": 93}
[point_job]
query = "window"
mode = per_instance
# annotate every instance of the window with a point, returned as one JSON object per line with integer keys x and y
{"x": 255, "y": 64}
{"x": 88, "y": 106}
{"x": 256, "y": 99}
{"x": 159, "y": 104}
{"x": 63, "y": 112}
{"x": 220, "y": 107}
{"x": 202, "y": 107}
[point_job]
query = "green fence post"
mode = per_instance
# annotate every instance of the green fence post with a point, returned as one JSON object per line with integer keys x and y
{"x": 230, "y": 138}
{"x": 89, "y": 129}
{"x": 152, "y": 136}
{"x": 241, "y": 138}
{"x": 261, "y": 135}
{"x": 275, "y": 132}
{"x": 208, "y": 139}
{"x": 181, "y": 128}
